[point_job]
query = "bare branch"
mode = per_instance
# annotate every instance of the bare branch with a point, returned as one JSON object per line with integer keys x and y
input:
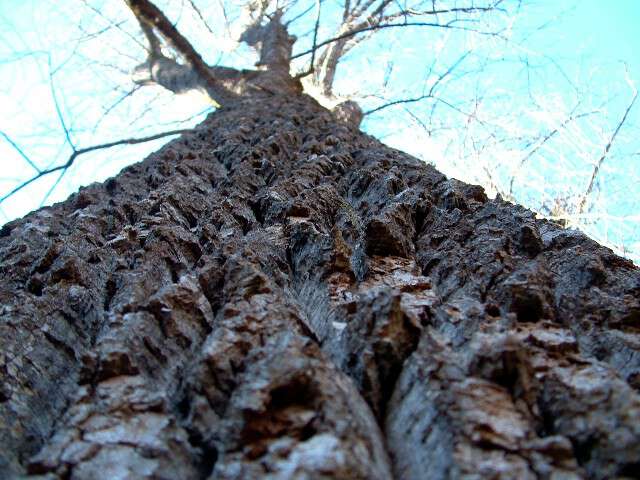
{"x": 351, "y": 33}
{"x": 598, "y": 164}
{"x": 57, "y": 106}
{"x": 146, "y": 12}
{"x": 271, "y": 40}
{"x": 82, "y": 151}
{"x": 541, "y": 143}
{"x": 300, "y": 15}
{"x": 347, "y": 9}
{"x": 20, "y": 151}
{"x": 202, "y": 19}
{"x": 111, "y": 22}
{"x": 443, "y": 11}
{"x": 315, "y": 42}
{"x": 53, "y": 187}
{"x": 109, "y": 109}
{"x": 315, "y": 35}
{"x": 397, "y": 102}
{"x": 429, "y": 94}
{"x": 87, "y": 36}
{"x": 154, "y": 44}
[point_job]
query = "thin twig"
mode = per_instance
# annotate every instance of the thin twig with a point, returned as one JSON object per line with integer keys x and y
{"x": 300, "y": 15}
{"x": 397, "y": 102}
{"x": 431, "y": 92}
{"x": 115, "y": 104}
{"x": 598, "y": 164}
{"x": 53, "y": 187}
{"x": 202, "y": 19}
{"x": 315, "y": 42}
{"x": 541, "y": 143}
{"x": 58, "y": 111}
{"x": 111, "y": 22}
{"x": 356, "y": 31}
{"x": 20, "y": 151}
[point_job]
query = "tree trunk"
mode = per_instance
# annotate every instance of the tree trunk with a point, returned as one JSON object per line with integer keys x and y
{"x": 277, "y": 295}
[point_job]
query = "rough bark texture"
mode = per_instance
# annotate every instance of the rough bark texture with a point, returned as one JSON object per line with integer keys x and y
{"x": 277, "y": 295}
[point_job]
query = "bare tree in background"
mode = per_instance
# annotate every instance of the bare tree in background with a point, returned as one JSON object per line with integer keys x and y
{"x": 275, "y": 294}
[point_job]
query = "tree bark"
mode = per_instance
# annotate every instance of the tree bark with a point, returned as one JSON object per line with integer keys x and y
{"x": 278, "y": 295}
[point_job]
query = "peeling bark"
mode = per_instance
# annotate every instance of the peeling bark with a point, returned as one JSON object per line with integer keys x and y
{"x": 277, "y": 295}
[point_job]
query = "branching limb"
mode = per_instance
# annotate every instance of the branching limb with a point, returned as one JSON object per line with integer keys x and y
{"x": 147, "y": 13}
{"x": 154, "y": 19}
{"x": 155, "y": 50}
{"x": 81, "y": 151}
{"x": 111, "y": 22}
{"x": 271, "y": 40}
{"x": 300, "y": 15}
{"x": 115, "y": 104}
{"x": 429, "y": 94}
{"x": 370, "y": 16}
{"x": 351, "y": 33}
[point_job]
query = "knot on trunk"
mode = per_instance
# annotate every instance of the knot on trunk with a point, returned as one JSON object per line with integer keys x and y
{"x": 349, "y": 112}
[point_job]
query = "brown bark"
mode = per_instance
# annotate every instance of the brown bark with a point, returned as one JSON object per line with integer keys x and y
{"x": 277, "y": 295}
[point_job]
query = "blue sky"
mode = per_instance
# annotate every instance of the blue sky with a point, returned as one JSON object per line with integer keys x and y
{"x": 582, "y": 43}
{"x": 603, "y": 29}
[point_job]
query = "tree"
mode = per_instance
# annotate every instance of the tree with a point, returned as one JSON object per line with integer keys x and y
{"x": 276, "y": 294}
{"x": 455, "y": 84}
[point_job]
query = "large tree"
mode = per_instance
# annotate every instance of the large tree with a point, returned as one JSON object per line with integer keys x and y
{"x": 276, "y": 294}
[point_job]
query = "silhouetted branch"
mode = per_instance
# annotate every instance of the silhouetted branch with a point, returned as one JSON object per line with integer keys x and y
{"x": 201, "y": 17}
{"x": 53, "y": 187}
{"x": 315, "y": 42}
{"x": 351, "y": 33}
{"x": 20, "y": 151}
{"x": 109, "y": 109}
{"x": 57, "y": 107}
{"x": 81, "y": 151}
{"x": 300, "y": 15}
{"x": 431, "y": 92}
{"x": 111, "y": 22}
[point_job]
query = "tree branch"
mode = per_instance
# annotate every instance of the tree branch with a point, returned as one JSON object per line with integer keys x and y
{"x": 20, "y": 151}
{"x": 315, "y": 42}
{"x": 81, "y": 151}
{"x": 540, "y": 144}
{"x": 598, "y": 164}
{"x": 154, "y": 44}
{"x": 202, "y": 19}
{"x": 351, "y": 33}
{"x": 147, "y": 13}
{"x": 57, "y": 106}
{"x": 431, "y": 92}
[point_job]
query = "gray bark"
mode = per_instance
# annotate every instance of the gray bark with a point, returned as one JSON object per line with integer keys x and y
{"x": 277, "y": 295}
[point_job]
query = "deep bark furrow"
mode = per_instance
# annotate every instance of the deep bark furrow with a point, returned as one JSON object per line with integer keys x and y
{"x": 279, "y": 295}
